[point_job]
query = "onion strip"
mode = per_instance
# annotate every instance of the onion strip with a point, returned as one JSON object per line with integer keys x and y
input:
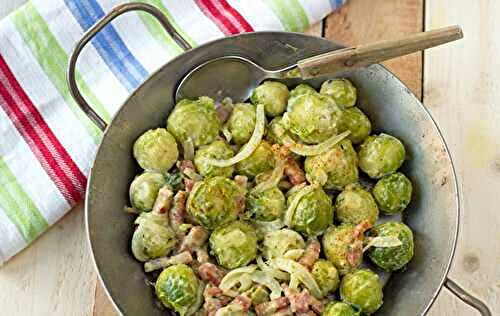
{"x": 383, "y": 242}
{"x": 248, "y": 148}
{"x": 277, "y": 274}
{"x": 313, "y": 150}
{"x": 300, "y": 272}
{"x": 231, "y": 279}
{"x": 188, "y": 149}
{"x": 290, "y": 211}
{"x": 268, "y": 281}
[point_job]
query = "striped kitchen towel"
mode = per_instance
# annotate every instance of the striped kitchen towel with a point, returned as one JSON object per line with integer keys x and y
{"x": 47, "y": 143}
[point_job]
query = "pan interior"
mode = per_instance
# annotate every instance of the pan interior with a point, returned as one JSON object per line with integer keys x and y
{"x": 392, "y": 108}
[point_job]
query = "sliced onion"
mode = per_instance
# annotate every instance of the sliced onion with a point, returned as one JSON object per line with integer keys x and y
{"x": 277, "y": 274}
{"x": 234, "y": 278}
{"x": 300, "y": 272}
{"x": 290, "y": 211}
{"x": 265, "y": 227}
{"x": 191, "y": 174}
{"x": 227, "y": 133}
{"x": 294, "y": 282}
{"x": 248, "y": 148}
{"x": 313, "y": 150}
{"x": 383, "y": 242}
{"x": 274, "y": 179}
{"x": 269, "y": 282}
{"x": 188, "y": 149}
{"x": 293, "y": 254}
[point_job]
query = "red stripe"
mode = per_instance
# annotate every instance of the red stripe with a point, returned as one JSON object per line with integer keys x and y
{"x": 227, "y": 19}
{"x": 53, "y": 157}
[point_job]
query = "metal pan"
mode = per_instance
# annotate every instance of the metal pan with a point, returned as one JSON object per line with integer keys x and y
{"x": 433, "y": 215}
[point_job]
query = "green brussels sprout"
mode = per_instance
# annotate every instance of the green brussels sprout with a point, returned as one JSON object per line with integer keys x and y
{"x": 362, "y": 288}
{"x": 268, "y": 205}
{"x": 392, "y": 258}
{"x": 355, "y": 121}
{"x": 241, "y": 123}
{"x": 153, "y": 237}
{"x": 261, "y": 160}
{"x": 393, "y": 193}
{"x": 275, "y": 129}
{"x": 156, "y": 150}
{"x": 215, "y": 201}
{"x": 194, "y": 119}
{"x": 355, "y": 205}
{"x": 258, "y": 294}
{"x": 326, "y": 275}
{"x": 277, "y": 243}
{"x": 234, "y": 245}
{"x": 299, "y": 90}
{"x": 312, "y": 117}
{"x": 339, "y": 309}
{"x": 381, "y": 155}
{"x": 338, "y": 166}
{"x": 273, "y": 95}
{"x": 218, "y": 150}
{"x": 337, "y": 242}
{"x": 313, "y": 213}
{"x": 179, "y": 289}
{"x": 342, "y": 90}
{"x": 144, "y": 190}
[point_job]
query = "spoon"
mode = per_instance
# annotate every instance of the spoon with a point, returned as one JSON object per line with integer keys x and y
{"x": 236, "y": 77}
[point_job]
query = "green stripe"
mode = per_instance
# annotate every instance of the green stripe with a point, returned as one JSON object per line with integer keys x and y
{"x": 54, "y": 62}
{"x": 25, "y": 216}
{"x": 292, "y": 15}
{"x": 159, "y": 33}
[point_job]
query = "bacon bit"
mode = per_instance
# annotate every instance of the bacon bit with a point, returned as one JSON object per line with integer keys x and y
{"x": 311, "y": 254}
{"x": 308, "y": 313}
{"x": 185, "y": 164}
{"x": 317, "y": 305}
{"x": 178, "y": 211}
{"x": 293, "y": 171}
{"x": 302, "y": 303}
{"x": 162, "y": 262}
{"x": 223, "y": 112}
{"x": 355, "y": 252}
{"x": 269, "y": 308}
{"x": 241, "y": 181}
{"x": 211, "y": 273}
{"x": 163, "y": 201}
{"x": 284, "y": 312}
{"x": 201, "y": 254}
{"x": 188, "y": 184}
{"x": 244, "y": 301}
{"x": 196, "y": 237}
{"x": 213, "y": 291}
{"x": 214, "y": 300}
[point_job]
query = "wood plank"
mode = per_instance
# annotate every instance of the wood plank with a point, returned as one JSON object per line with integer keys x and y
{"x": 54, "y": 276}
{"x": 461, "y": 88}
{"x": 103, "y": 306}
{"x": 361, "y": 21}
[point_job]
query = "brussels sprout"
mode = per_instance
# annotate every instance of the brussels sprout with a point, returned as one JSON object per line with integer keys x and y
{"x": 338, "y": 166}
{"x": 275, "y": 129}
{"x": 326, "y": 275}
{"x": 362, "y": 288}
{"x": 268, "y": 205}
{"x": 300, "y": 90}
{"x": 144, "y": 190}
{"x": 261, "y": 160}
{"x": 313, "y": 118}
{"x": 234, "y": 245}
{"x": 215, "y": 201}
{"x": 392, "y": 258}
{"x": 339, "y": 309}
{"x": 153, "y": 237}
{"x": 258, "y": 294}
{"x": 355, "y": 205}
{"x": 178, "y": 288}
{"x": 313, "y": 213}
{"x": 277, "y": 243}
{"x": 195, "y": 119}
{"x": 355, "y": 121}
{"x": 337, "y": 243}
{"x": 241, "y": 123}
{"x": 381, "y": 155}
{"x": 274, "y": 95}
{"x": 218, "y": 150}
{"x": 342, "y": 91}
{"x": 156, "y": 150}
{"x": 393, "y": 193}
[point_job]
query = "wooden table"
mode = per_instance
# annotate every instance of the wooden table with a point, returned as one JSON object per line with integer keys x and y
{"x": 459, "y": 83}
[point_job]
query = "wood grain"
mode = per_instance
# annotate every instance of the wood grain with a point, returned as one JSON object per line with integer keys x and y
{"x": 461, "y": 89}
{"x": 361, "y": 21}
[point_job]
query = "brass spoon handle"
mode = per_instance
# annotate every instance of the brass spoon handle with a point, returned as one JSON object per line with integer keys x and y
{"x": 368, "y": 54}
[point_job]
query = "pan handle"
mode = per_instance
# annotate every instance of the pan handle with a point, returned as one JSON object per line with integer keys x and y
{"x": 467, "y": 298}
{"x": 88, "y": 35}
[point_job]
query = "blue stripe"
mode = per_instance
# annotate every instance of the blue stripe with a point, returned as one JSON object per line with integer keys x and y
{"x": 336, "y": 3}
{"x": 108, "y": 43}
